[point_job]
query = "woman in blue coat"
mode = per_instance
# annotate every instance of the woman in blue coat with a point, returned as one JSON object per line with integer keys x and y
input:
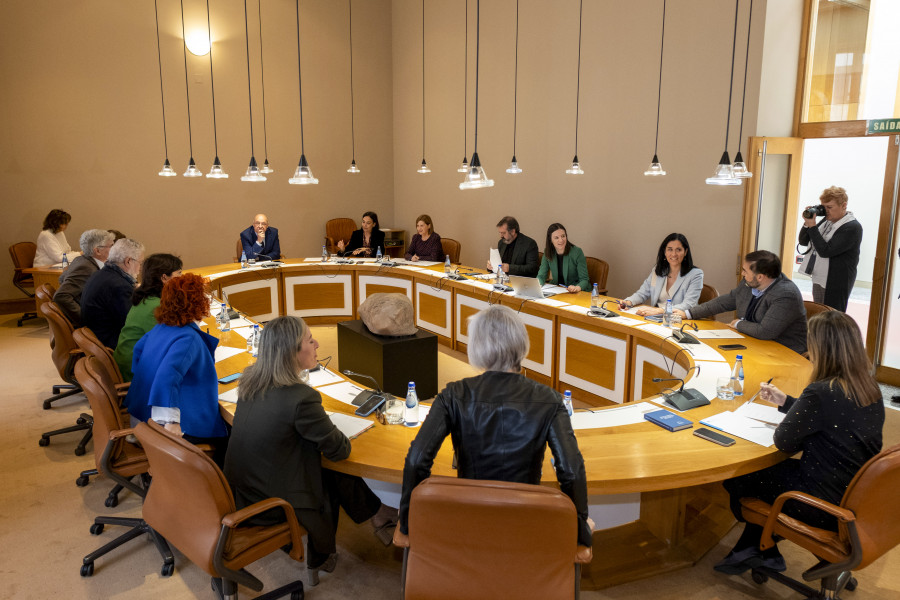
{"x": 673, "y": 278}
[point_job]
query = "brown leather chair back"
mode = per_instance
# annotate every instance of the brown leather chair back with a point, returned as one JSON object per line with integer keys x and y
{"x": 490, "y": 539}
{"x": 451, "y": 247}
{"x": 22, "y": 254}
{"x": 44, "y": 293}
{"x": 238, "y": 250}
{"x": 65, "y": 351}
{"x": 338, "y": 229}
{"x": 598, "y": 271}
{"x": 91, "y": 346}
{"x": 707, "y": 293}
{"x": 814, "y": 308}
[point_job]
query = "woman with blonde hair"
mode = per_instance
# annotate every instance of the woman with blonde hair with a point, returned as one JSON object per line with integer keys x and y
{"x": 836, "y": 422}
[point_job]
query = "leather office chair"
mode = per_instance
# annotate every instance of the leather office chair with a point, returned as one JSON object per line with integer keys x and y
{"x": 238, "y": 250}
{"x": 65, "y": 354}
{"x": 814, "y": 308}
{"x": 208, "y": 529}
{"x": 451, "y": 247}
{"x": 866, "y": 528}
{"x": 22, "y": 254}
{"x": 490, "y": 539}
{"x": 118, "y": 459}
{"x": 44, "y": 293}
{"x": 598, "y": 271}
{"x": 707, "y": 293}
{"x": 338, "y": 229}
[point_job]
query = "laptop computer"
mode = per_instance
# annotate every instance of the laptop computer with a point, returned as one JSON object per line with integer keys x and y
{"x": 530, "y": 287}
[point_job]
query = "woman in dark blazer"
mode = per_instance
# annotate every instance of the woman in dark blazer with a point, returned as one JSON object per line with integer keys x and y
{"x": 279, "y": 436}
{"x": 366, "y": 240}
{"x": 564, "y": 263}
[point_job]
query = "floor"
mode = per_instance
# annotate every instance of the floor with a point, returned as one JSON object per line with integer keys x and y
{"x": 44, "y": 517}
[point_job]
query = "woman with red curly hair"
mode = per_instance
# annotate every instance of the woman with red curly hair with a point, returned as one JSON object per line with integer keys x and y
{"x": 174, "y": 369}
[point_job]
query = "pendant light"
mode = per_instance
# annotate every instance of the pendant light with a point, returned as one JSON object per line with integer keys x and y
{"x": 424, "y": 166}
{"x": 655, "y": 169}
{"x": 514, "y": 165}
{"x": 302, "y": 174}
{"x": 192, "y": 170}
{"x": 724, "y": 174}
{"x": 740, "y": 168}
{"x": 262, "y": 74}
{"x": 167, "y": 170}
{"x": 252, "y": 173}
{"x": 476, "y": 177}
{"x": 353, "y": 168}
{"x": 575, "y": 169}
{"x": 464, "y": 167}
{"x": 216, "y": 171}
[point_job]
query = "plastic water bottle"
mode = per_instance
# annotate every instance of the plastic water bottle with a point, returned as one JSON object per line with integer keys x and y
{"x": 65, "y": 262}
{"x": 243, "y": 259}
{"x": 411, "y": 414}
{"x": 222, "y": 320}
{"x": 567, "y": 400}
{"x": 447, "y": 267}
{"x": 737, "y": 377}
{"x": 253, "y": 341}
{"x": 667, "y": 316}
{"x": 324, "y": 254}
{"x": 378, "y": 255}
{"x": 595, "y": 301}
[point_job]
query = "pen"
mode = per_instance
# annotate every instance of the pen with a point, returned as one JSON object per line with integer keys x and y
{"x": 759, "y": 390}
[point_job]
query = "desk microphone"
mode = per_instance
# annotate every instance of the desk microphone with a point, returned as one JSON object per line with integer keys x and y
{"x": 600, "y": 311}
{"x": 232, "y": 312}
{"x": 686, "y": 338}
{"x": 683, "y": 399}
{"x": 364, "y": 395}
{"x": 455, "y": 275}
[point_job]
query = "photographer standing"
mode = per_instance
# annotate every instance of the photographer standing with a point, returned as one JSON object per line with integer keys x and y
{"x": 832, "y": 259}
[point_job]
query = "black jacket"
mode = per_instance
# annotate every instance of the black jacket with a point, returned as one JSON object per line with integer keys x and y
{"x": 842, "y": 252}
{"x": 524, "y": 261}
{"x": 500, "y": 424}
{"x": 356, "y": 241}
{"x": 105, "y": 303}
{"x": 71, "y": 285}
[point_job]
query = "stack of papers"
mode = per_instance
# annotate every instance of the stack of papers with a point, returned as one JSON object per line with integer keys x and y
{"x": 612, "y": 417}
{"x": 737, "y": 424}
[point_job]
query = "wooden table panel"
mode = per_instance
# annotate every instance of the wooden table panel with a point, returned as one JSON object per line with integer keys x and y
{"x": 318, "y": 295}
{"x": 594, "y": 362}
{"x": 434, "y": 311}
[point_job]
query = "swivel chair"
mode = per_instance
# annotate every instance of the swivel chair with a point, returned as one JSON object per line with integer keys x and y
{"x": 22, "y": 254}
{"x": 338, "y": 229}
{"x": 598, "y": 272}
{"x": 209, "y": 530}
{"x": 490, "y": 539}
{"x": 451, "y": 247}
{"x": 866, "y": 528}
{"x": 814, "y": 308}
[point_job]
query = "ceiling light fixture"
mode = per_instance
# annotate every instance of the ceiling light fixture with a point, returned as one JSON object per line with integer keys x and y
{"x": 252, "y": 173}
{"x": 575, "y": 169}
{"x": 476, "y": 177}
{"x": 655, "y": 169}
{"x": 302, "y": 174}
{"x": 740, "y": 168}
{"x": 724, "y": 174}
{"x": 464, "y": 167}
{"x": 216, "y": 171}
{"x": 514, "y": 165}
{"x": 423, "y": 168}
{"x": 167, "y": 170}
{"x": 192, "y": 170}
{"x": 353, "y": 168}
{"x": 262, "y": 75}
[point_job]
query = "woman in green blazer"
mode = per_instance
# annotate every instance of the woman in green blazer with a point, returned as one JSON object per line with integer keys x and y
{"x": 563, "y": 263}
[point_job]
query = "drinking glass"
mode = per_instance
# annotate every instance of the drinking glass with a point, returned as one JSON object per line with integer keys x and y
{"x": 725, "y": 391}
{"x": 394, "y": 411}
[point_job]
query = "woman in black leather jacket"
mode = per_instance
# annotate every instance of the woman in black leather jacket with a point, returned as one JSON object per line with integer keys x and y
{"x": 500, "y": 421}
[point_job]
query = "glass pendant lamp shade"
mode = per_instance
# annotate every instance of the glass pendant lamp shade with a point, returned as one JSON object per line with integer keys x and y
{"x": 575, "y": 169}
{"x": 216, "y": 172}
{"x": 476, "y": 177}
{"x": 464, "y": 167}
{"x": 423, "y": 168}
{"x": 167, "y": 170}
{"x": 253, "y": 173}
{"x": 724, "y": 174}
{"x": 740, "y": 168}
{"x": 266, "y": 168}
{"x": 514, "y": 166}
{"x": 192, "y": 170}
{"x": 303, "y": 174}
{"x": 353, "y": 168}
{"x": 655, "y": 169}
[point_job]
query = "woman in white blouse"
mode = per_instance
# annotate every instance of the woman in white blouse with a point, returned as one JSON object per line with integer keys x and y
{"x": 51, "y": 242}
{"x": 673, "y": 278}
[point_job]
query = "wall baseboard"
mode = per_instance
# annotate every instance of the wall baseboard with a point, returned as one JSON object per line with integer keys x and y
{"x": 23, "y": 305}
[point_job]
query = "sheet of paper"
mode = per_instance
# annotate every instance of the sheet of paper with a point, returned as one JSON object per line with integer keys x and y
{"x": 612, "y": 417}
{"x": 704, "y": 352}
{"x": 344, "y": 391}
{"x": 348, "y": 424}
{"x": 554, "y": 301}
{"x": 426, "y": 263}
{"x": 496, "y": 261}
{"x": 761, "y": 412}
{"x": 716, "y": 334}
{"x": 321, "y": 377}
{"x": 733, "y": 423}
{"x": 223, "y": 352}
{"x": 705, "y": 381}
{"x": 223, "y": 274}
{"x": 229, "y": 396}
{"x": 659, "y": 330}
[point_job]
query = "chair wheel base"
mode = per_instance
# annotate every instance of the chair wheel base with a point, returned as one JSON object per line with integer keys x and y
{"x": 87, "y": 569}
{"x": 851, "y": 585}
{"x": 43, "y": 442}
{"x": 167, "y": 569}
{"x": 47, "y": 405}
{"x": 82, "y": 481}
{"x": 758, "y": 577}
{"x": 79, "y": 451}
{"x": 111, "y": 501}
{"x": 96, "y": 528}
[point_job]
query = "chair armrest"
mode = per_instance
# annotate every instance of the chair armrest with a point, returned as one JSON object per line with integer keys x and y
{"x": 401, "y": 540}
{"x": 584, "y": 554}
{"x": 234, "y": 519}
{"x": 842, "y": 514}
{"x": 122, "y": 390}
{"x": 116, "y": 434}
{"x": 329, "y": 242}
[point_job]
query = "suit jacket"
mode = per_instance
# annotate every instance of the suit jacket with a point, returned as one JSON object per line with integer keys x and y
{"x": 271, "y": 246}
{"x": 684, "y": 292}
{"x": 276, "y": 447}
{"x": 356, "y": 241}
{"x": 574, "y": 268}
{"x": 524, "y": 261}
{"x": 842, "y": 252}
{"x": 68, "y": 296}
{"x": 780, "y": 313}
{"x": 105, "y": 302}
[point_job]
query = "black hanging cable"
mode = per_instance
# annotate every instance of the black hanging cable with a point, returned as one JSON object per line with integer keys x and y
{"x": 352, "y": 120}
{"x": 731, "y": 79}
{"x": 466, "y": 83}
{"x": 744, "y": 95}
{"x": 516, "y": 85}
{"x": 161, "y": 94}
{"x": 212, "y": 84}
{"x": 187, "y": 93}
{"x": 300, "y": 80}
{"x": 477, "y": 52}
{"x": 423, "y": 82}
{"x": 659, "y": 92}
{"x": 249, "y": 96}
{"x": 578, "y": 84}
{"x": 262, "y": 75}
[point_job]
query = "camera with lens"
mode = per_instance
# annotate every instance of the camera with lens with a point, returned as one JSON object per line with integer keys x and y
{"x": 811, "y": 212}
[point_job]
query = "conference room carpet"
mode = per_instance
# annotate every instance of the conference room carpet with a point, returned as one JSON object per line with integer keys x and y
{"x": 44, "y": 517}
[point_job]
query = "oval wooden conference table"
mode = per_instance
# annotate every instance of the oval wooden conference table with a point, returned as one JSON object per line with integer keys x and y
{"x": 655, "y": 495}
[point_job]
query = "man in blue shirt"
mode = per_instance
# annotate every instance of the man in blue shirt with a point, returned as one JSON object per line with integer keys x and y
{"x": 260, "y": 241}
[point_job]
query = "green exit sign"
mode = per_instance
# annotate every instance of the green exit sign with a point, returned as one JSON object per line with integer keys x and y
{"x": 882, "y": 126}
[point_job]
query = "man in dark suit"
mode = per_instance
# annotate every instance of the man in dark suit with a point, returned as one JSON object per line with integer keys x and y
{"x": 518, "y": 252}
{"x": 768, "y": 304}
{"x": 95, "y": 245}
{"x": 106, "y": 298}
{"x": 260, "y": 240}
